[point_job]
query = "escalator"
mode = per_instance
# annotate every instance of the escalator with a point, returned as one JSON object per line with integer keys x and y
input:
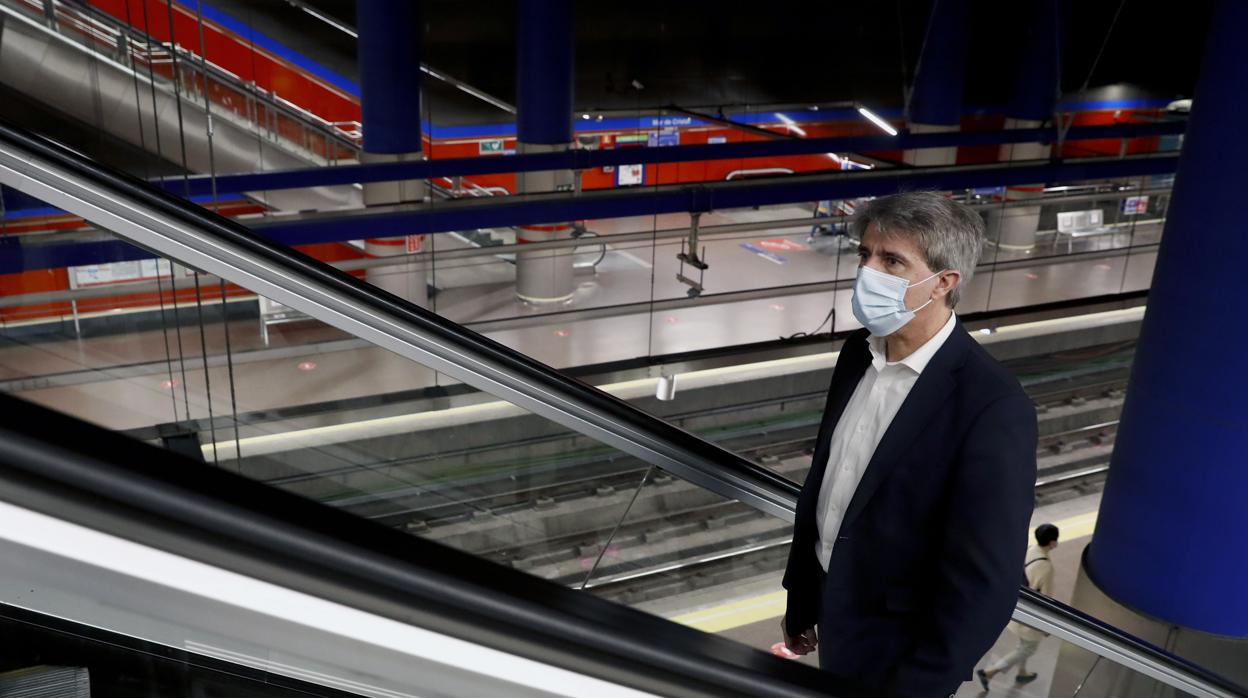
{"x": 122, "y": 557}
{"x": 159, "y": 97}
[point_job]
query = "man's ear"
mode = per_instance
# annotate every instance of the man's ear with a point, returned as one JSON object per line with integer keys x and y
{"x": 948, "y": 281}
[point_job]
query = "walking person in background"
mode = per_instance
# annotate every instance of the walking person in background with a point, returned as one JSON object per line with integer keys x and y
{"x": 1039, "y": 572}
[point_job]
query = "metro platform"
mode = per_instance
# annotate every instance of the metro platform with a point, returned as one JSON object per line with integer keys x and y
{"x": 631, "y": 307}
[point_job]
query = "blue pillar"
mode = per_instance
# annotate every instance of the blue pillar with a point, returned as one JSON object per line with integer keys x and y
{"x": 544, "y": 72}
{"x": 1170, "y": 540}
{"x": 1037, "y": 84}
{"x": 389, "y": 55}
{"x": 936, "y": 98}
{"x": 389, "y": 58}
{"x": 544, "y": 124}
{"x": 1036, "y": 88}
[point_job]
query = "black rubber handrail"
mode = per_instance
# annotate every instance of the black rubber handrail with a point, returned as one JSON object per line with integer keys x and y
{"x": 1094, "y": 626}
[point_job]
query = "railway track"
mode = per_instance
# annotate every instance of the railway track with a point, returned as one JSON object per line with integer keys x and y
{"x": 579, "y": 510}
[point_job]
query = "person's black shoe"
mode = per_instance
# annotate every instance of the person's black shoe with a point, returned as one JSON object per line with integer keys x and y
{"x": 983, "y": 678}
{"x": 1025, "y": 678}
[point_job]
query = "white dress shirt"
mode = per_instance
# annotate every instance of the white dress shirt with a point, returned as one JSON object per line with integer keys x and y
{"x": 875, "y": 402}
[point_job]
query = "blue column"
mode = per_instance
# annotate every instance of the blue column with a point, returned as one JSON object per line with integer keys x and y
{"x": 1170, "y": 541}
{"x": 1036, "y": 88}
{"x": 1037, "y": 84}
{"x": 389, "y": 55}
{"x": 544, "y": 72}
{"x": 936, "y": 98}
{"x": 544, "y": 124}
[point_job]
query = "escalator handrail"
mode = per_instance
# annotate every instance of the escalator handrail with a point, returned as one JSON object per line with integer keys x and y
{"x": 520, "y": 379}
{"x": 192, "y": 235}
{"x": 87, "y": 475}
{"x": 1105, "y": 640}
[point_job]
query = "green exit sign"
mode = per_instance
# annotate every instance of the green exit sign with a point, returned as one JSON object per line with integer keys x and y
{"x": 490, "y": 146}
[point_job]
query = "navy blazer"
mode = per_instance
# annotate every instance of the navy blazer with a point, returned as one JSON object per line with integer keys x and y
{"x": 926, "y": 568}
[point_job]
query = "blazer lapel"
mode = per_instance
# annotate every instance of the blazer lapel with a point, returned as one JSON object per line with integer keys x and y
{"x": 843, "y": 387}
{"x": 929, "y": 394}
{"x": 850, "y": 366}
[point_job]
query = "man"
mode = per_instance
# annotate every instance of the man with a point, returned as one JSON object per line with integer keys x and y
{"x": 1039, "y": 572}
{"x": 905, "y": 552}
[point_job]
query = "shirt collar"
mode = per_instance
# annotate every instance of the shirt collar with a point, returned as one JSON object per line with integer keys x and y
{"x": 917, "y": 360}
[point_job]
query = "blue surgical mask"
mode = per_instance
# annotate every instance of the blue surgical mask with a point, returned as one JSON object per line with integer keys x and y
{"x": 879, "y": 301}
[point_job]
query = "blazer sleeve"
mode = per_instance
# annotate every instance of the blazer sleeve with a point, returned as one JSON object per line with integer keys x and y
{"x": 976, "y": 581}
{"x": 801, "y": 574}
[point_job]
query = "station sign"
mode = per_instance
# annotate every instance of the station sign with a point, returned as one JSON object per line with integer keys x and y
{"x": 630, "y": 175}
{"x": 1135, "y": 205}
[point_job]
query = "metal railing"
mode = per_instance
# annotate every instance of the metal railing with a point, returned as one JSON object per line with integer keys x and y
{"x": 197, "y": 80}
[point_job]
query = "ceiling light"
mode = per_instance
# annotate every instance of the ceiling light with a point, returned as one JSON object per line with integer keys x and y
{"x": 791, "y": 124}
{"x": 585, "y": 117}
{"x": 884, "y": 125}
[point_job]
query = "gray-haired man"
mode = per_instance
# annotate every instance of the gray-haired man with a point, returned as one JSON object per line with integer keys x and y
{"x": 905, "y": 552}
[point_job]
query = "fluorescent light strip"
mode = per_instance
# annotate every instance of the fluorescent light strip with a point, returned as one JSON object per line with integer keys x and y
{"x": 791, "y": 124}
{"x": 345, "y": 29}
{"x": 884, "y": 125}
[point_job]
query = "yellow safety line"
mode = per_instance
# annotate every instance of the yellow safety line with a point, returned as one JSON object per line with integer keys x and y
{"x": 735, "y": 614}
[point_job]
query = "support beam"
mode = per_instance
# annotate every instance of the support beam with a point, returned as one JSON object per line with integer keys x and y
{"x": 590, "y": 159}
{"x": 22, "y": 254}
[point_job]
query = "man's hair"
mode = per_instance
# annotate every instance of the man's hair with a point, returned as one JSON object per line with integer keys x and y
{"x": 1046, "y": 533}
{"x": 948, "y": 233}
